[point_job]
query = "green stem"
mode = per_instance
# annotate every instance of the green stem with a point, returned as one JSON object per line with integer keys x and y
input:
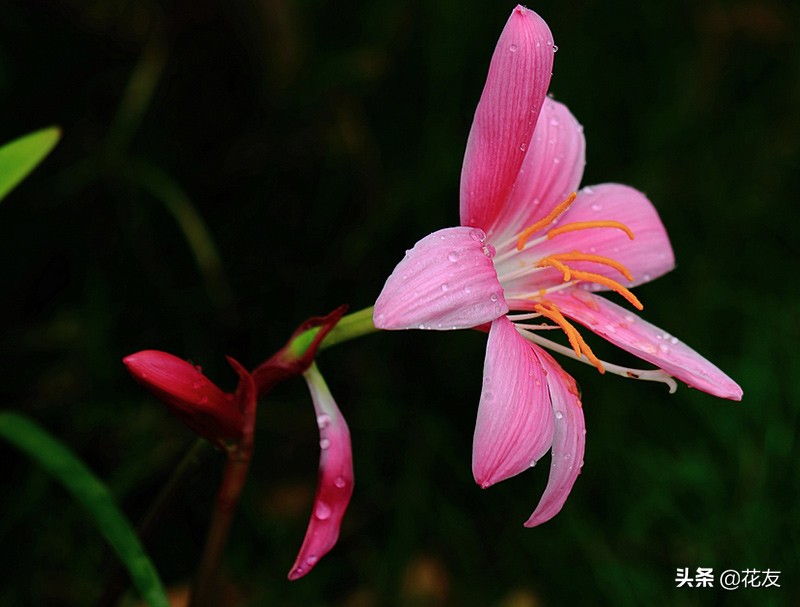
{"x": 349, "y": 327}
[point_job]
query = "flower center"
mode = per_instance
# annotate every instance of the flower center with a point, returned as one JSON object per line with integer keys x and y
{"x": 521, "y": 286}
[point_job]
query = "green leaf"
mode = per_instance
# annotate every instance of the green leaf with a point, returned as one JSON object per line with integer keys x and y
{"x": 21, "y": 156}
{"x": 85, "y": 487}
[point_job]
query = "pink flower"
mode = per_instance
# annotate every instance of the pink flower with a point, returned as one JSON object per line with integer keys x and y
{"x": 191, "y": 396}
{"x": 335, "y": 482}
{"x": 529, "y": 244}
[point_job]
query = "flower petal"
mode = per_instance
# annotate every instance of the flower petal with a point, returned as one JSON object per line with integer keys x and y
{"x": 648, "y": 256}
{"x": 335, "y": 482}
{"x": 515, "y": 422}
{"x": 569, "y": 440}
{"x": 447, "y": 281}
{"x": 512, "y": 98}
{"x": 551, "y": 171}
{"x": 648, "y": 342}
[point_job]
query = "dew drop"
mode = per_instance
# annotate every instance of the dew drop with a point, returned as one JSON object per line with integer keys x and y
{"x": 322, "y": 511}
{"x": 646, "y": 277}
{"x": 554, "y": 122}
{"x": 512, "y": 48}
{"x": 477, "y": 235}
{"x": 588, "y": 191}
{"x": 555, "y": 48}
{"x": 630, "y": 318}
{"x": 323, "y": 421}
{"x": 340, "y": 482}
{"x": 488, "y": 395}
{"x": 523, "y": 147}
{"x": 312, "y": 559}
{"x": 324, "y": 443}
{"x": 533, "y": 463}
{"x": 445, "y": 287}
{"x": 453, "y": 256}
{"x": 489, "y": 250}
{"x": 596, "y": 207}
{"x": 664, "y": 348}
{"x": 467, "y": 290}
{"x": 559, "y": 415}
{"x": 673, "y": 340}
{"x": 493, "y": 297}
{"x": 421, "y": 326}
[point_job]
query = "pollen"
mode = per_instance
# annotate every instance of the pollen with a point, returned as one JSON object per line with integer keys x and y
{"x": 611, "y": 284}
{"x": 575, "y": 338}
{"x": 544, "y": 221}
{"x": 584, "y": 225}
{"x": 578, "y": 256}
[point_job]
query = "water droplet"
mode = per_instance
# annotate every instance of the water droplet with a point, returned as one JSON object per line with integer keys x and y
{"x": 323, "y": 421}
{"x": 488, "y": 395}
{"x": 596, "y": 207}
{"x": 453, "y": 256}
{"x": 533, "y": 463}
{"x": 588, "y": 191}
{"x": 445, "y": 286}
{"x": 536, "y": 201}
{"x": 673, "y": 340}
{"x": 592, "y": 249}
{"x": 555, "y": 48}
{"x": 523, "y": 147}
{"x": 340, "y": 482}
{"x": 512, "y": 48}
{"x": 322, "y": 511}
{"x": 646, "y": 277}
{"x": 441, "y": 237}
{"x": 312, "y": 559}
{"x": 489, "y": 250}
{"x": 421, "y": 326}
{"x": 664, "y": 348}
{"x": 467, "y": 290}
{"x": 630, "y": 318}
{"x": 477, "y": 235}
{"x": 324, "y": 443}
{"x": 559, "y": 415}
{"x": 554, "y": 122}
{"x": 380, "y": 319}
{"x": 493, "y": 297}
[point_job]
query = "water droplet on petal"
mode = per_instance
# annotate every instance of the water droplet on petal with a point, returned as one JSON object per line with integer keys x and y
{"x": 477, "y": 235}
{"x": 512, "y": 48}
{"x": 340, "y": 482}
{"x": 554, "y": 122}
{"x": 630, "y": 318}
{"x": 453, "y": 256}
{"x": 467, "y": 290}
{"x": 523, "y": 147}
{"x": 324, "y": 443}
{"x": 312, "y": 559}
{"x": 664, "y": 348}
{"x": 555, "y": 48}
{"x": 533, "y": 463}
{"x": 588, "y": 191}
{"x": 673, "y": 340}
{"x": 323, "y": 421}
{"x": 445, "y": 286}
{"x": 493, "y": 297}
{"x": 596, "y": 207}
{"x": 322, "y": 511}
{"x": 559, "y": 415}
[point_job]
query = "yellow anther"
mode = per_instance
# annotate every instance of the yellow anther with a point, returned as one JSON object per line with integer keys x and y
{"x": 578, "y": 256}
{"x": 553, "y": 262}
{"x": 583, "y": 225}
{"x": 545, "y": 221}
{"x": 611, "y": 284}
{"x": 575, "y": 338}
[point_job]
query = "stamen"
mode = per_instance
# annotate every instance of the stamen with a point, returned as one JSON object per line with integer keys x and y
{"x": 611, "y": 284}
{"x": 643, "y": 374}
{"x": 545, "y": 221}
{"x": 578, "y": 256}
{"x": 577, "y": 342}
{"x": 583, "y": 225}
{"x": 552, "y": 261}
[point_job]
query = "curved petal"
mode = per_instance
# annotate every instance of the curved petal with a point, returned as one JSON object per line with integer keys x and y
{"x": 648, "y": 342}
{"x": 335, "y": 482}
{"x": 569, "y": 440}
{"x": 515, "y": 422}
{"x": 551, "y": 171}
{"x": 447, "y": 281}
{"x": 512, "y": 98}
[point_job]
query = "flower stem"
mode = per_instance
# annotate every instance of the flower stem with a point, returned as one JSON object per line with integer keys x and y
{"x": 349, "y": 327}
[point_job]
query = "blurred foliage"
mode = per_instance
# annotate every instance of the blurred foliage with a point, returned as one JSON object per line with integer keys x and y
{"x": 228, "y": 169}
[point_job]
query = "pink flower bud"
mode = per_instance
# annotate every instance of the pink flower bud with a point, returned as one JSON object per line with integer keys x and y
{"x": 189, "y": 394}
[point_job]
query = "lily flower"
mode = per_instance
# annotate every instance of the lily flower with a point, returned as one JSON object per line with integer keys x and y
{"x": 529, "y": 257}
{"x": 213, "y": 414}
{"x": 335, "y": 481}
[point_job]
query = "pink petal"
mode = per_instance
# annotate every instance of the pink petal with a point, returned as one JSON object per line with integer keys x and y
{"x": 335, "y": 482}
{"x": 447, "y": 281}
{"x": 648, "y": 256}
{"x": 569, "y": 440}
{"x": 551, "y": 171}
{"x": 648, "y": 342}
{"x": 519, "y": 75}
{"x": 515, "y": 422}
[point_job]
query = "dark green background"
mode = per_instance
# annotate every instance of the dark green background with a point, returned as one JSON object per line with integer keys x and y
{"x": 318, "y": 140}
